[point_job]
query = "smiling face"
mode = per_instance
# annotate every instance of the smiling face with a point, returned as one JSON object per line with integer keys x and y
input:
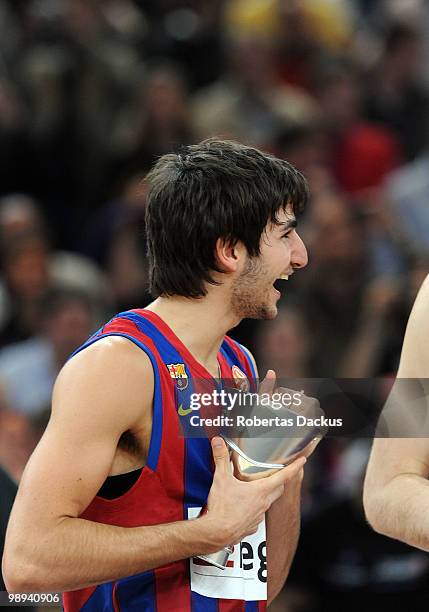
{"x": 282, "y": 252}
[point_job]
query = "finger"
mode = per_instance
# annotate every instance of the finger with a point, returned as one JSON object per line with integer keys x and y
{"x": 278, "y": 492}
{"x": 269, "y": 383}
{"x": 254, "y": 527}
{"x": 283, "y": 475}
{"x": 257, "y": 521}
{"x": 310, "y": 447}
{"x": 220, "y": 455}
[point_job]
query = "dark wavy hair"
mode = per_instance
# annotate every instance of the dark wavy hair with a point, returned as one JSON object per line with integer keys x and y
{"x": 215, "y": 189}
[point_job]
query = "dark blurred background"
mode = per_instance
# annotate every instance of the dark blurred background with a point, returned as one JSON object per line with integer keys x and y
{"x": 92, "y": 91}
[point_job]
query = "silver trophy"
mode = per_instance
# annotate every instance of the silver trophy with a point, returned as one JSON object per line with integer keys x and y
{"x": 267, "y": 439}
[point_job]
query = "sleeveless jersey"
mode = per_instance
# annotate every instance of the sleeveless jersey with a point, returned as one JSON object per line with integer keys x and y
{"x": 174, "y": 486}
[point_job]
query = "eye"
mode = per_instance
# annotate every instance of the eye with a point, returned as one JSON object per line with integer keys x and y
{"x": 286, "y": 235}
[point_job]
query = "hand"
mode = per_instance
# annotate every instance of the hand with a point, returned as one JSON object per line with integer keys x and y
{"x": 236, "y": 508}
{"x": 308, "y": 407}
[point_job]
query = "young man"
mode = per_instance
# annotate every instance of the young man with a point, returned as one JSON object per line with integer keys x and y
{"x": 396, "y": 490}
{"x": 221, "y": 230}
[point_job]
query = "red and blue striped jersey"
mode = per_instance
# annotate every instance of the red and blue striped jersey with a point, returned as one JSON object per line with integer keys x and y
{"x": 173, "y": 486}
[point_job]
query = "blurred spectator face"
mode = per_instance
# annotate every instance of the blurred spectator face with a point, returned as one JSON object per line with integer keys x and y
{"x": 295, "y": 22}
{"x": 406, "y": 57}
{"x": 253, "y": 62}
{"x": 335, "y": 239}
{"x": 11, "y": 111}
{"x": 82, "y": 18}
{"x": 18, "y": 213}
{"x": 305, "y": 147}
{"x": 133, "y": 196}
{"x": 284, "y": 344}
{"x": 68, "y": 327}
{"x": 17, "y": 442}
{"x": 26, "y": 266}
{"x": 340, "y": 99}
{"x": 404, "y": 53}
{"x": 165, "y": 97}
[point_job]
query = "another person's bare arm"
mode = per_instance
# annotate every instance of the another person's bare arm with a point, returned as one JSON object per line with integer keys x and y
{"x": 396, "y": 490}
{"x": 283, "y": 519}
{"x": 101, "y": 393}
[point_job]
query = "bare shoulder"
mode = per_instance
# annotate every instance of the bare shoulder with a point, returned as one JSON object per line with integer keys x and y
{"x": 251, "y": 358}
{"x": 111, "y": 351}
{"x": 100, "y": 393}
{"x": 405, "y": 411}
{"x": 112, "y": 371}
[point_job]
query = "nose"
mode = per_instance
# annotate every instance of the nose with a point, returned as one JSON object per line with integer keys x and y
{"x": 299, "y": 255}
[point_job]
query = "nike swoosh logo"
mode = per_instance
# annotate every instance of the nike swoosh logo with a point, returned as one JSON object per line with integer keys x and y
{"x": 184, "y": 411}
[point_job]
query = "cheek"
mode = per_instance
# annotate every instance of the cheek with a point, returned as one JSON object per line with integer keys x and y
{"x": 286, "y": 250}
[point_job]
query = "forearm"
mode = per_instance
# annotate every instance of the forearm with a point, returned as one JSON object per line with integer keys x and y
{"x": 399, "y": 509}
{"x": 283, "y": 524}
{"x": 80, "y": 553}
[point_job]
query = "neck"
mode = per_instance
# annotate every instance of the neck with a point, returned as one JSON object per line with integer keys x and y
{"x": 200, "y": 324}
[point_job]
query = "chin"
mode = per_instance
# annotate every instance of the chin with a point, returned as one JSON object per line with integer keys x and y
{"x": 271, "y": 313}
{"x": 265, "y": 312}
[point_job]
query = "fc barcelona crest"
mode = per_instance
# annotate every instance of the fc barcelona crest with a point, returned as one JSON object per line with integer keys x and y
{"x": 240, "y": 378}
{"x": 178, "y": 372}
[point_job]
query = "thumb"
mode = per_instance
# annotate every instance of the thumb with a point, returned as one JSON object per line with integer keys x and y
{"x": 220, "y": 455}
{"x": 269, "y": 383}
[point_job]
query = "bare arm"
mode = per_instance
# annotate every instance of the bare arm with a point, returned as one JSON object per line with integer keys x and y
{"x": 396, "y": 490}
{"x": 101, "y": 393}
{"x": 283, "y": 521}
{"x": 283, "y": 527}
{"x": 46, "y": 542}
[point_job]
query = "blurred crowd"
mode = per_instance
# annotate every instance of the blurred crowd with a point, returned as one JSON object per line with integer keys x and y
{"x": 92, "y": 91}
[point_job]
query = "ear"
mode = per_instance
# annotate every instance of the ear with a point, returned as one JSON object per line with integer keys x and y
{"x": 228, "y": 256}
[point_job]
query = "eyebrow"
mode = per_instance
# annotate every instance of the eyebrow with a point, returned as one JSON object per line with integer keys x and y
{"x": 291, "y": 223}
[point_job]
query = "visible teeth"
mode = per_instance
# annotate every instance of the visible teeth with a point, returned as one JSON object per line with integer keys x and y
{"x": 284, "y": 276}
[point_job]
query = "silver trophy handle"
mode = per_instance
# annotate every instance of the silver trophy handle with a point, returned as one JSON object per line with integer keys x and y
{"x": 251, "y": 456}
{"x": 220, "y": 558}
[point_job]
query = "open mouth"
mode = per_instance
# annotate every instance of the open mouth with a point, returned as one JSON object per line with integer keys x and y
{"x": 279, "y": 282}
